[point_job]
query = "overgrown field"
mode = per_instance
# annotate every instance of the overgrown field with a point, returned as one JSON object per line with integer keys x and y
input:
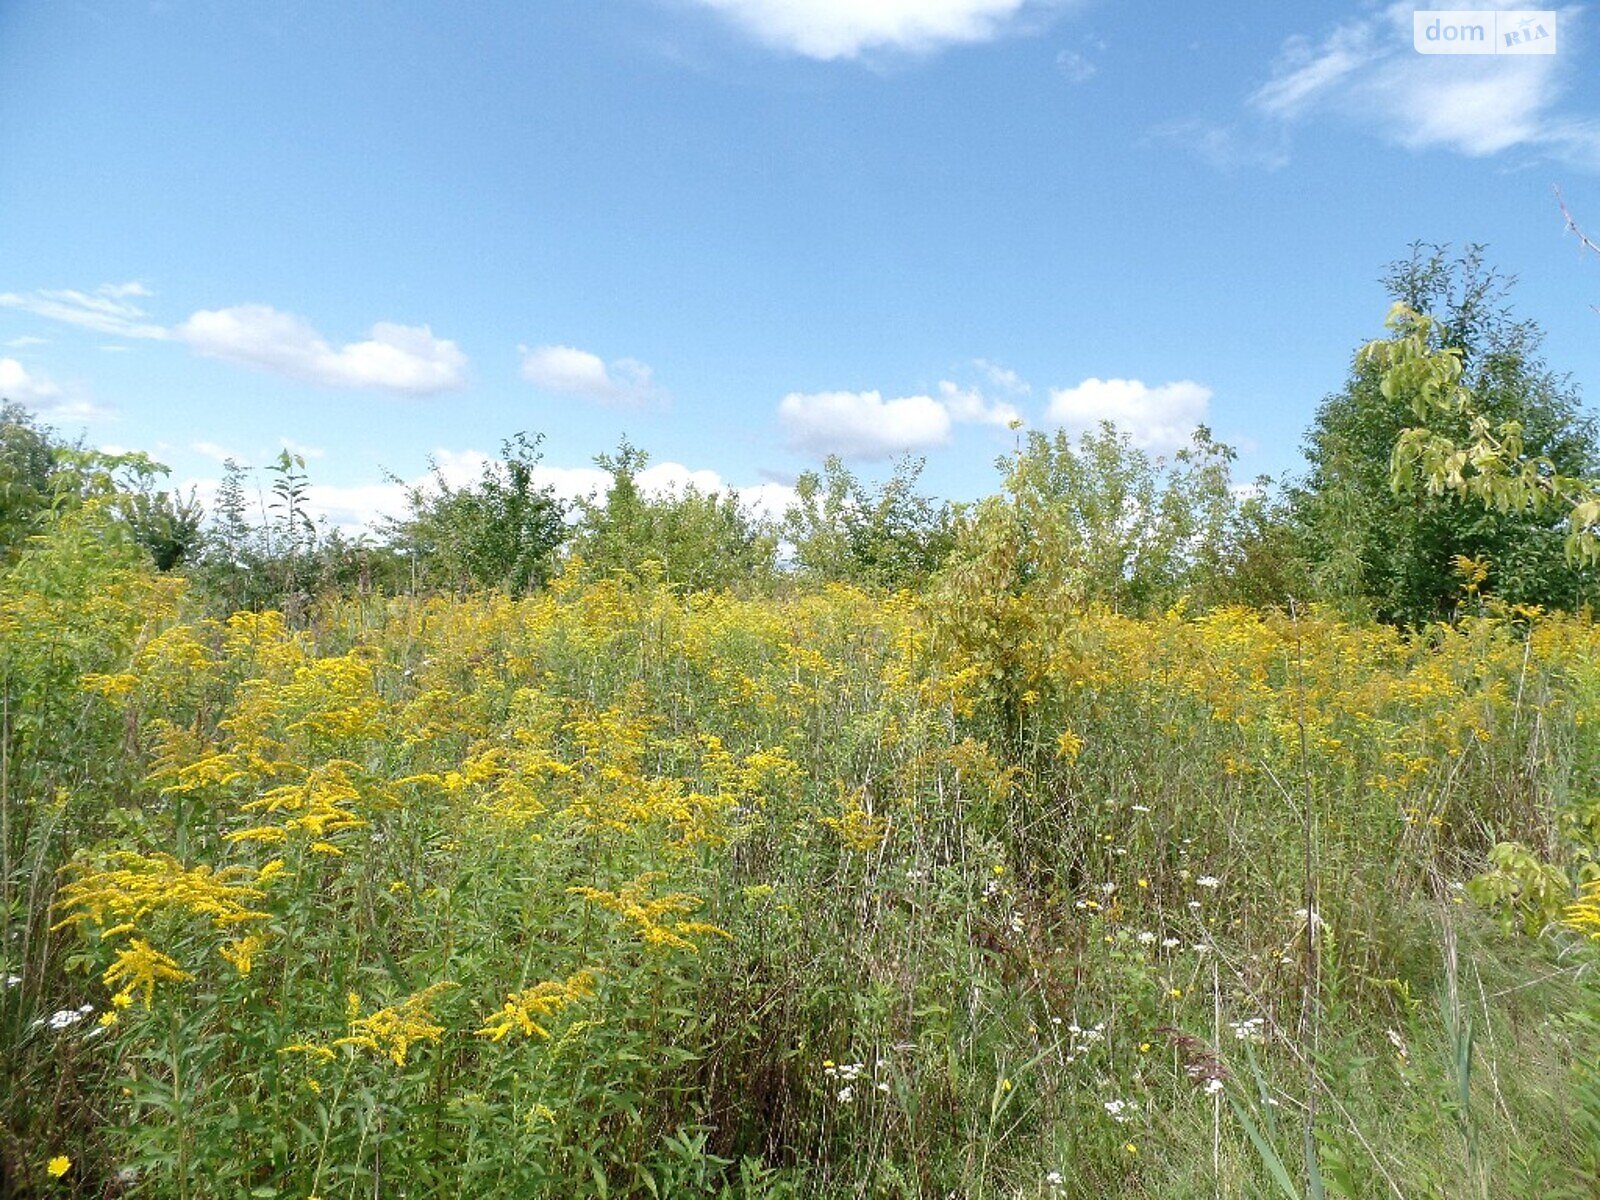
{"x": 614, "y": 891}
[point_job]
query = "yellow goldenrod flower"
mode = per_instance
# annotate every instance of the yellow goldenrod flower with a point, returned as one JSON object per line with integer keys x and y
{"x": 393, "y": 1030}
{"x": 543, "y": 1000}
{"x": 633, "y": 904}
{"x": 242, "y": 951}
{"x": 118, "y": 898}
{"x": 142, "y": 966}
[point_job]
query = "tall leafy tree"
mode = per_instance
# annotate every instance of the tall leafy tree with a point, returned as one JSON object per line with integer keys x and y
{"x": 1394, "y": 552}
{"x": 27, "y": 465}
{"x": 41, "y": 475}
{"x": 503, "y": 531}
{"x": 891, "y": 536}
{"x": 695, "y": 540}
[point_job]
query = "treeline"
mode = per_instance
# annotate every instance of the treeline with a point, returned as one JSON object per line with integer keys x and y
{"x": 1092, "y": 519}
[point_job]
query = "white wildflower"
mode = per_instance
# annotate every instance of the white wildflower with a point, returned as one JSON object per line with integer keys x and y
{"x": 66, "y": 1017}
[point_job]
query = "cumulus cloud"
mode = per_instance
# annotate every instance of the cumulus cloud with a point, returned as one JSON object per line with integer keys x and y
{"x": 1160, "y": 419}
{"x": 1264, "y": 145}
{"x": 843, "y": 29}
{"x": 19, "y": 384}
{"x": 407, "y": 359}
{"x": 971, "y": 406}
{"x": 570, "y": 371}
{"x": 866, "y": 426}
{"x": 399, "y": 358}
{"x": 110, "y": 308}
{"x": 863, "y": 424}
{"x": 44, "y": 396}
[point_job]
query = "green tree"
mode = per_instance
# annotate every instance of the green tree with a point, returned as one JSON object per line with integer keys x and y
{"x": 888, "y": 537}
{"x": 1098, "y": 521}
{"x": 1392, "y": 552}
{"x": 40, "y": 475}
{"x": 501, "y": 532}
{"x": 168, "y": 525}
{"x": 694, "y": 540}
{"x": 27, "y": 465}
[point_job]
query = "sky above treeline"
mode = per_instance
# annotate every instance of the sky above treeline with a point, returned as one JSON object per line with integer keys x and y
{"x": 746, "y": 233}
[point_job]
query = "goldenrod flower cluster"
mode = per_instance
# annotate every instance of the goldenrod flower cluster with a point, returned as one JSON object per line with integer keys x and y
{"x": 523, "y": 1010}
{"x": 393, "y": 1030}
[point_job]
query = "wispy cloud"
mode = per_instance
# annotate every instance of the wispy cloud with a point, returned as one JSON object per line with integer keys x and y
{"x": 301, "y": 448}
{"x": 1227, "y": 148}
{"x": 1002, "y": 377}
{"x": 1365, "y": 72}
{"x": 1076, "y": 66}
{"x": 845, "y": 29}
{"x": 569, "y": 371}
{"x": 217, "y": 453}
{"x": 110, "y": 308}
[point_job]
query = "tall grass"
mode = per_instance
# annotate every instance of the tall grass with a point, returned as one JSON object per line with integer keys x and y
{"x": 616, "y": 892}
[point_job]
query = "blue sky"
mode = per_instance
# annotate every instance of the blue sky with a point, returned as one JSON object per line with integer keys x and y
{"x": 746, "y": 232}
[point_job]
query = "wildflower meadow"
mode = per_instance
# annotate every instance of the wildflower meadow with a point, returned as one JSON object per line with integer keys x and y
{"x": 618, "y": 890}
{"x": 1039, "y": 848}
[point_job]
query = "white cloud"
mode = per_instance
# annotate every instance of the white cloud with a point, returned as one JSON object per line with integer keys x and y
{"x": 300, "y": 448}
{"x": 1367, "y": 72}
{"x": 835, "y": 29}
{"x": 1003, "y": 378}
{"x": 216, "y": 452}
{"x": 74, "y": 410}
{"x": 770, "y": 500}
{"x": 399, "y": 358}
{"x": 863, "y": 424}
{"x": 358, "y": 508}
{"x": 970, "y": 406}
{"x": 107, "y": 309}
{"x": 573, "y": 372}
{"x": 45, "y": 397}
{"x": 19, "y": 384}
{"x": 1160, "y": 419}
{"x": 26, "y": 340}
